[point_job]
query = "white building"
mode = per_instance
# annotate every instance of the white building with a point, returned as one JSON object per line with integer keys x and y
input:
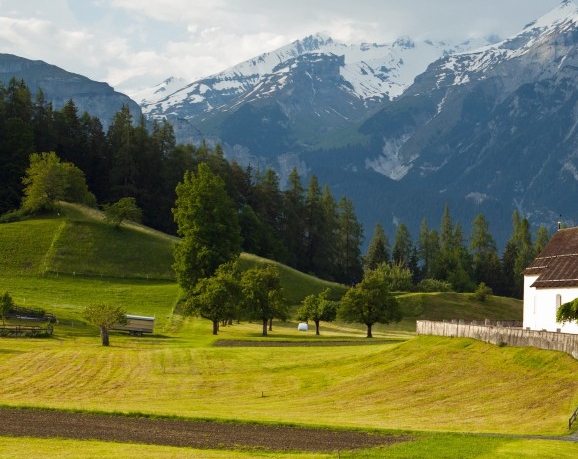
{"x": 550, "y": 281}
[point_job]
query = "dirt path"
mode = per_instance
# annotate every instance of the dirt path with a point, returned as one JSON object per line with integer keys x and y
{"x": 202, "y": 435}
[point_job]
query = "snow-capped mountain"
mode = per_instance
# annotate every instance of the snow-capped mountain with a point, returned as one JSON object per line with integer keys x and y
{"x": 544, "y": 49}
{"x": 489, "y": 131}
{"x": 371, "y": 71}
{"x": 405, "y": 128}
{"x": 537, "y": 35}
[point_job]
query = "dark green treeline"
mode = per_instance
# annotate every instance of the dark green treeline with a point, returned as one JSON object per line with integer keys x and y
{"x": 302, "y": 225}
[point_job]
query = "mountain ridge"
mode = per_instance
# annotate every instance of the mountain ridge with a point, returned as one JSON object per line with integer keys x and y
{"x": 373, "y": 60}
{"x": 59, "y": 86}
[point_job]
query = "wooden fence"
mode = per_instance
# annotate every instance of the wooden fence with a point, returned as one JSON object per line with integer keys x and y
{"x": 572, "y": 419}
{"x": 16, "y": 331}
{"x": 501, "y": 334}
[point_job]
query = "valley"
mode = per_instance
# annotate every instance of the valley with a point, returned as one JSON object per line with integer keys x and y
{"x": 398, "y": 386}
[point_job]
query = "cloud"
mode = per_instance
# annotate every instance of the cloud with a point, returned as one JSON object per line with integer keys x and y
{"x": 135, "y": 43}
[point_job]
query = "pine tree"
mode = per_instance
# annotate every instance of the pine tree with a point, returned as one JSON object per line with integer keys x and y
{"x": 16, "y": 142}
{"x": 207, "y": 221}
{"x": 124, "y": 163}
{"x": 483, "y": 248}
{"x": 68, "y": 134}
{"x": 377, "y": 250}
{"x": 43, "y": 124}
{"x": 349, "y": 240}
{"x": 542, "y": 238}
{"x": 314, "y": 225}
{"x": 402, "y": 246}
{"x": 293, "y": 225}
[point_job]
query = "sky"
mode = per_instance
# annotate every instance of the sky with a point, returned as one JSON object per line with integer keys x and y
{"x": 136, "y": 44}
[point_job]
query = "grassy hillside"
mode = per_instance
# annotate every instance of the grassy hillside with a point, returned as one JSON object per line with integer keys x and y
{"x": 449, "y": 305}
{"x": 423, "y": 384}
{"x": 428, "y": 385}
{"x": 76, "y": 259}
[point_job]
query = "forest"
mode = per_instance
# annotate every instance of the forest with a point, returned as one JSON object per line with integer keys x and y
{"x": 302, "y": 225}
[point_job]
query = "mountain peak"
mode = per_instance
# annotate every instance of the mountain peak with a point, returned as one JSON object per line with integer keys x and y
{"x": 317, "y": 39}
{"x": 565, "y": 12}
{"x": 372, "y": 72}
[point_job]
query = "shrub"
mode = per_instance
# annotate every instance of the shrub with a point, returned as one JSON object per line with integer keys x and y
{"x": 433, "y": 285}
{"x": 13, "y": 216}
{"x": 396, "y": 277}
{"x": 482, "y": 293}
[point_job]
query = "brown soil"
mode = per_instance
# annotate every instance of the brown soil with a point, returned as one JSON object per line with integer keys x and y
{"x": 194, "y": 434}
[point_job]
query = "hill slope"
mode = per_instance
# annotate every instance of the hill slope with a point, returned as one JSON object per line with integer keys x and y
{"x": 80, "y": 243}
{"x": 77, "y": 258}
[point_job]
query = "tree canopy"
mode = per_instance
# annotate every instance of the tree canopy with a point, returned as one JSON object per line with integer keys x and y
{"x": 216, "y": 298}
{"x": 48, "y": 180}
{"x": 263, "y": 295}
{"x": 104, "y": 316}
{"x": 318, "y": 308}
{"x": 207, "y": 221}
{"x": 370, "y": 302}
{"x": 568, "y": 312}
{"x": 123, "y": 209}
{"x": 304, "y": 227}
{"x": 6, "y": 305}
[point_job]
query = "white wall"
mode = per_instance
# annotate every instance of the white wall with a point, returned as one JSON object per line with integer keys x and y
{"x": 540, "y": 307}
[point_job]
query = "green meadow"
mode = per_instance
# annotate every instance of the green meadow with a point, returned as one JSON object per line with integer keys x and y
{"x": 456, "y": 398}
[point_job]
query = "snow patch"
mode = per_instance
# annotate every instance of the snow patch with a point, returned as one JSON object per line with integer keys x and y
{"x": 390, "y": 163}
{"x": 477, "y": 198}
{"x": 569, "y": 167}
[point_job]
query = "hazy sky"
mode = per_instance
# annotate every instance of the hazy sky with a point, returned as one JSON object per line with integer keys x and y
{"x": 133, "y": 44}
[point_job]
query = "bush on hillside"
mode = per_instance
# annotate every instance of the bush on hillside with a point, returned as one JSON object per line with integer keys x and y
{"x": 482, "y": 293}
{"x": 48, "y": 181}
{"x": 12, "y": 216}
{"x": 123, "y": 209}
{"x": 396, "y": 277}
{"x": 433, "y": 285}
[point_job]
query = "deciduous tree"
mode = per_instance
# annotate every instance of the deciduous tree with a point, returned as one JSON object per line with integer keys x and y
{"x": 370, "y": 302}
{"x": 396, "y": 277}
{"x": 318, "y": 308}
{"x": 263, "y": 295}
{"x": 568, "y": 312}
{"x": 6, "y": 305}
{"x": 104, "y": 316}
{"x": 123, "y": 209}
{"x": 48, "y": 181}
{"x": 216, "y": 298}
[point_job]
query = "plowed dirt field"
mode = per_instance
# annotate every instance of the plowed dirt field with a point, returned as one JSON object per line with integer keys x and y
{"x": 194, "y": 434}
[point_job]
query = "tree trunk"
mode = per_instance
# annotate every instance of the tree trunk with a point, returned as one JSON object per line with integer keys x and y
{"x": 104, "y": 335}
{"x": 369, "y": 335}
{"x": 316, "y": 327}
{"x": 215, "y": 327}
{"x": 271, "y": 324}
{"x": 265, "y": 327}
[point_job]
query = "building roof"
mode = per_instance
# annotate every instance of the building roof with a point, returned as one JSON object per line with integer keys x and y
{"x": 557, "y": 264}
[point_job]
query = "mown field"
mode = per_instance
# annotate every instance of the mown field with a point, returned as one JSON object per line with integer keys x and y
{"x": 452, "y": 397}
